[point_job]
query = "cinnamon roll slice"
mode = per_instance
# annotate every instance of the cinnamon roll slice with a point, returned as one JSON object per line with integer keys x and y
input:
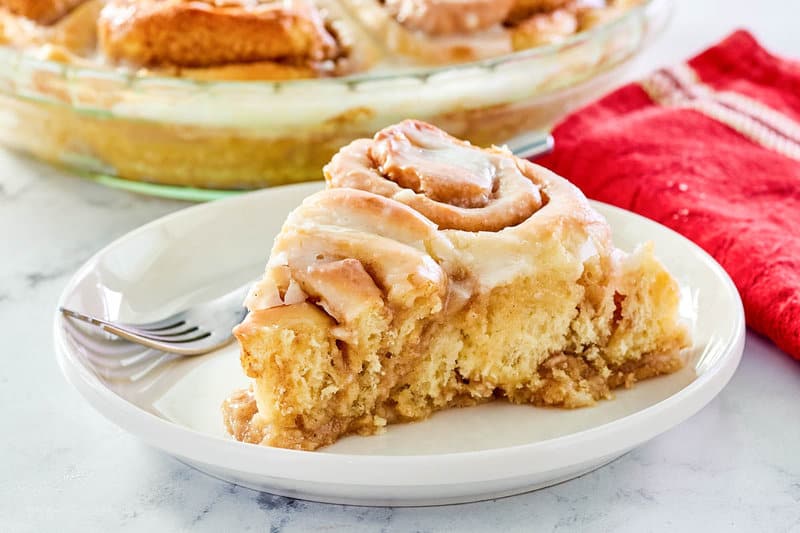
{"x": 431, "y": 274}
{"x": 229, "y": 39}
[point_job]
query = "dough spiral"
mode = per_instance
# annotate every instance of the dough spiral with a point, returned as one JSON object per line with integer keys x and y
{"x": 451, "y": 182}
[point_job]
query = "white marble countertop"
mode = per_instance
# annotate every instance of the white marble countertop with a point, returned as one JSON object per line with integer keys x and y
{"x": 733, "y": 466}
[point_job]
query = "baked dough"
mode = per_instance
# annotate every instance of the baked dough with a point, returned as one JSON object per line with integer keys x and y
{"x": 432, "y": 274}
{"x": 192, "y": 33}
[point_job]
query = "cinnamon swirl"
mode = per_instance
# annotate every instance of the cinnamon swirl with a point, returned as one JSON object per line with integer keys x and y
{"x": 432, "y": 273}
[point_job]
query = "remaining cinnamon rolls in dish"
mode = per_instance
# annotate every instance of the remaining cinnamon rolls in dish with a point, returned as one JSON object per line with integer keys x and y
{"x": 288, "y": 39}
{"x": 432, "y": 273}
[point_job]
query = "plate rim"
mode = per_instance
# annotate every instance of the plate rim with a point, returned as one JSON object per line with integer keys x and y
{"x": 398, "y": 470}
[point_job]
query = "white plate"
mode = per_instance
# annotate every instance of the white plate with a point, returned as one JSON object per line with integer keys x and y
{"x": 458, "y": 455}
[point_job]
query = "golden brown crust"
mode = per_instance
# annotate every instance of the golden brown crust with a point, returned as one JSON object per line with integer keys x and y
{"x": 40, "y": 11}
{"x": 194, "y": 33}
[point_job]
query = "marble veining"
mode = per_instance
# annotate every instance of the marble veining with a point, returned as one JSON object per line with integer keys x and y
{"x": 735, "y": 466}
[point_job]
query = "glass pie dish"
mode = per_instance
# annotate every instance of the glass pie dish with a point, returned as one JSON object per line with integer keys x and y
{"x": 199, "y": 140}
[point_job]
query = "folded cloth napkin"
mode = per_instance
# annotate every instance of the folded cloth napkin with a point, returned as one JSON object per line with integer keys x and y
{"x": 710, "y": 148}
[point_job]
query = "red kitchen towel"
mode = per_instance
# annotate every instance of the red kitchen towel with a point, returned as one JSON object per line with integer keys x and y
{"x": 710, "y": 148}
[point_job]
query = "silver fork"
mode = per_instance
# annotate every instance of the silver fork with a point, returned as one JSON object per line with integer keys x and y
{"x": 207, "y": 327}
{"x": 195, "y": 331}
